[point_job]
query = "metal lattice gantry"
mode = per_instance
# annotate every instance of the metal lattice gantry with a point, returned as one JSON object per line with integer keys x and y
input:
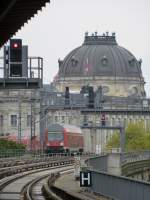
{"x": 120, "y": 128}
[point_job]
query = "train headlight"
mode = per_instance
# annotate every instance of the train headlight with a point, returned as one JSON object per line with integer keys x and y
{"x": 61, "y": 144}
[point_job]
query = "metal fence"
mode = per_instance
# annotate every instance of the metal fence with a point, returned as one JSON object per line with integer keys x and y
{"x": 136, "y": 156}
{"x": 100, "y": 162}
{"x": 5, "y": 153}
{"x": 119, "y": 188}
{"x": 54, "y": 100}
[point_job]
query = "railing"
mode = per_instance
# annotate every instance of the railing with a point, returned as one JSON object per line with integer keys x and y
{"x": 121, "y": 187}
{"x": 34, "y": 68}
{"x": 57, "y": 100}
{"x": 25, "y": 154}
{"x": 136, "y": 156}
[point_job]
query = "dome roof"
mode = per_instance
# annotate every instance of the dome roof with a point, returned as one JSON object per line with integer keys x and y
{"x": 100, "y": 56}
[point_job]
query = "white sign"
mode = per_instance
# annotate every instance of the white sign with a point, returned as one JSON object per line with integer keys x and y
{"x": 85, "y": 179}
{"x": 98, "y": 149}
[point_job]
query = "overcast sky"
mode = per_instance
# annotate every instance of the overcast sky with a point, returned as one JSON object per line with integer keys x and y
{"x": 60, "y": 27}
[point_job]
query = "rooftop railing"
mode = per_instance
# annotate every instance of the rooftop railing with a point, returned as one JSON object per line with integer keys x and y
{"x": 34, "y": 68}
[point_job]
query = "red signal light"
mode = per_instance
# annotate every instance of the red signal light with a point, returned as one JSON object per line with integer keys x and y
{"x": 103, "y": 117}
{"x": 103, "y": 120}
{"x": 15, "y": 45}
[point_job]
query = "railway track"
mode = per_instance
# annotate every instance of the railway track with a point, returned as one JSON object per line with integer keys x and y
{"x": 28, "y": 185}
{"x": 9, "y": 162}
{"x": 17, "y": 166}
{"x": 13, "y": 188}
{"x": 8, "y": 171}
{"x": 34, "y": 190}
{"x": 30, "y": 178}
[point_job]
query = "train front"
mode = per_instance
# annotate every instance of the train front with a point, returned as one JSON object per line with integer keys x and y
{"x": 54, "y": 139}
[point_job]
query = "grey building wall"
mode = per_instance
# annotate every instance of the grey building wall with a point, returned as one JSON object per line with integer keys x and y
{"x": 19, "y": 103}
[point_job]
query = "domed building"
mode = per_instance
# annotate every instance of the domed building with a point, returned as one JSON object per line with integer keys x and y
{"x": 100, "y": 61}
{"x": 98, "y": 84}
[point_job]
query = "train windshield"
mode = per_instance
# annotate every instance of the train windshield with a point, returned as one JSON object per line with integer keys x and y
{"x": 55, "y": 136}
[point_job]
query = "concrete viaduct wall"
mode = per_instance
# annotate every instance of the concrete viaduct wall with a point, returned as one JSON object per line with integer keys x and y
{"x": 109, "y": 177}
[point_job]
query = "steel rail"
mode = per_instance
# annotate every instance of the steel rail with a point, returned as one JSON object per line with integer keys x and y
{"x": 10, "y": 163}
{"x": 27, "y": 167}
{"x": 33, "y": 169}
{"x": 30, "y": 193}
{"x": 7, "y": 184}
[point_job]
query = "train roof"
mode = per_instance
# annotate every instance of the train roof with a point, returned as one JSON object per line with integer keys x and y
{"x": 61, "y": 127}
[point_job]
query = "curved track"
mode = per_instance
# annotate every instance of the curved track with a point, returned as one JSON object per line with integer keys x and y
{"x": 34, "y": 190}
{"x": 13, "y": 188}
{"x": 35, "y": 164}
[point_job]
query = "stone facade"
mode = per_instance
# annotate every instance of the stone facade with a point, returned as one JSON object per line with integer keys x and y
{"x": 111, "y": 86}
{"x": 16, "y": 108}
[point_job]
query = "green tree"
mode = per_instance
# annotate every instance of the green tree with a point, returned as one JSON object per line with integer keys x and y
{"x": 137, "y": 137}
{"x": 6, "y": 144}
{"x": 114, "y": 141}
{"x": 10, "y": 148}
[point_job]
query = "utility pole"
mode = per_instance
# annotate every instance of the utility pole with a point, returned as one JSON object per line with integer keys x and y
{"x": 33, "y": 119}
{"x": 31, "y": 122}
{"x": 19, "y": 118}
{"x": 42, "y": 124}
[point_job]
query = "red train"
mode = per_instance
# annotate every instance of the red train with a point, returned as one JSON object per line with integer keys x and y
{"x": 63, "y": 138}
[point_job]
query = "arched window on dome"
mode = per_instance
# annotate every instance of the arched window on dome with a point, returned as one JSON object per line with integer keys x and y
{"x": 104, "y": 61}
{"x": 132, "y": 62}
{"x": 74, "y": 61}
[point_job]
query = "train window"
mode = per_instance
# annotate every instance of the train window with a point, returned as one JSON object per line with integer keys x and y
{"x": 55, "y": 136}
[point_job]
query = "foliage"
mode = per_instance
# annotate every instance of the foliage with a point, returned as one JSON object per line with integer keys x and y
{"x": 10, "y": 148}
{"x": 7, "y": 144}
{"x": 137, "y": 137}
{"x": 113, "y": 141}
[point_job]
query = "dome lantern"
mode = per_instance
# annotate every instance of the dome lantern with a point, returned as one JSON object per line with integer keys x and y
{"x": 104, "y": 39}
